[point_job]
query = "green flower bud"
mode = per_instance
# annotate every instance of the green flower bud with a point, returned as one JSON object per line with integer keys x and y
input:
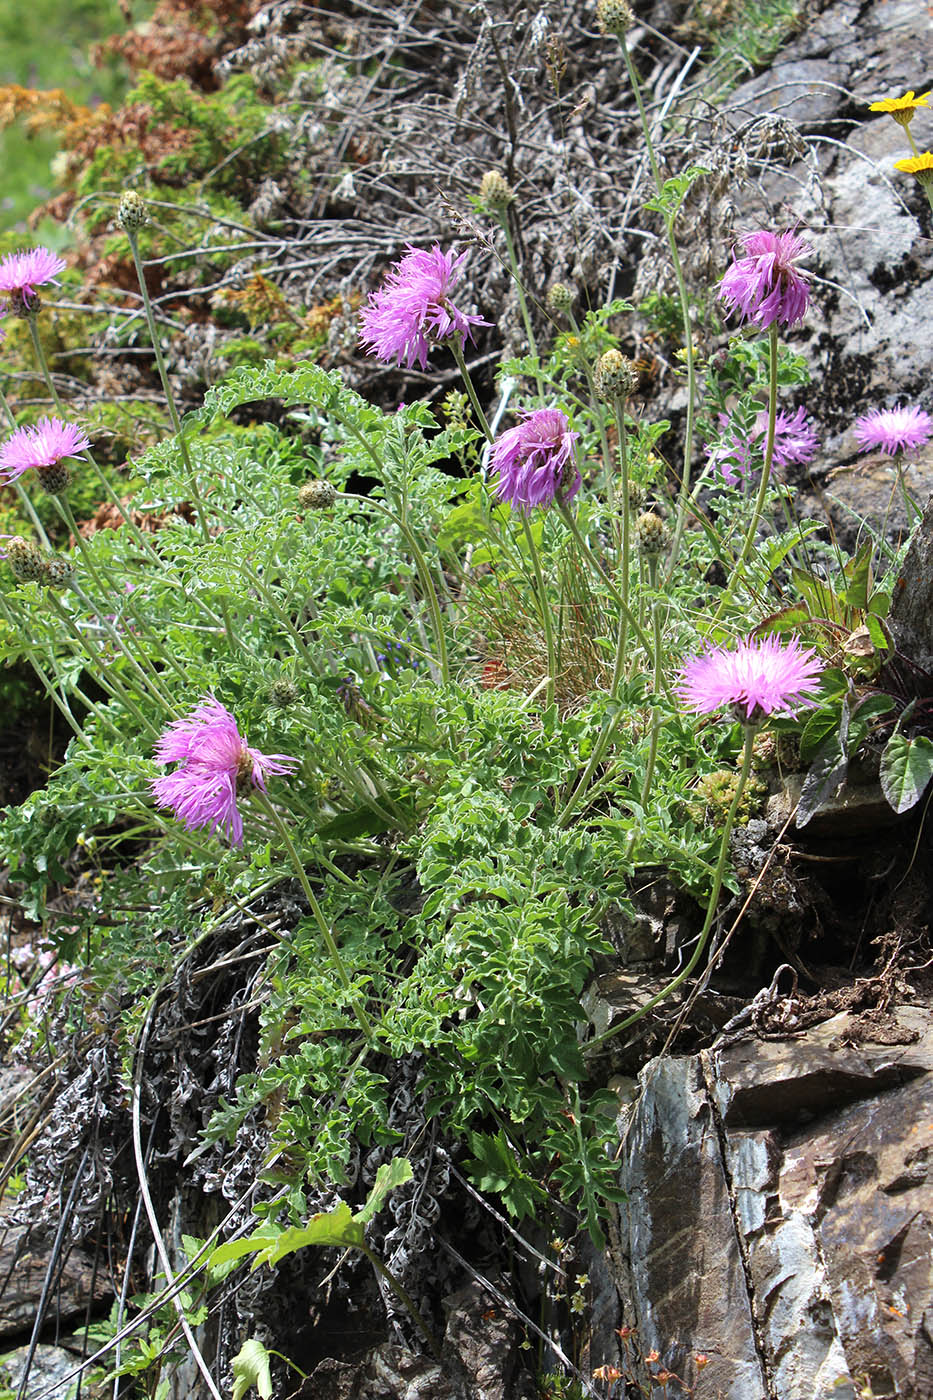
{"x": 614, "y": 16}
{"x": 614, "y": 377}
{"x": 560, "y": 298}
{"x": 132, "y": 213}
{"x": 637, "y": 495}
{"x": 495, "y": 191}
{"x": 58, "y": 571}
{"x": 652, "y": 534}
{"x": 283, "y": 693}
{"x": 317, "y": 495}
{"x": 26, "y": 560}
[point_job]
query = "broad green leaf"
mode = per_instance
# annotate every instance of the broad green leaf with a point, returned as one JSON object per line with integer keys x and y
{"x": 906, "y": 769}
{"x": 790, "y": 619}
{"x": 238, "y": 1249}
{"x": 817, "y": 729}
{"x": 251, "y": 1368}
{"x": 858, "y": 578}
{"x": 389, "y": 1175}
{"x": 330, "y": 1229}
{"x": 826, "y": 773}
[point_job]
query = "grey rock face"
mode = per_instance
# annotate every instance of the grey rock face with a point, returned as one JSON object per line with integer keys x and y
{"x": 780, "y": 1212}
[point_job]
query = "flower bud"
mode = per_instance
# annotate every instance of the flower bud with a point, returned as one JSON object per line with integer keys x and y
{"x": 283, "y": 693}
{"x": 26, "y": 560}
{"x": 614, "y": 377}
{"x": 317, "y": 495}
{"x": 560, "y": 298}
{"x": 495, "y": 191}
{"x": 58, "y": 571}
{"x": 652, "y": 534}
{"x": 132, "y": 213}
{"x": 614, "y": 16}
{"x": 637, "y": 495}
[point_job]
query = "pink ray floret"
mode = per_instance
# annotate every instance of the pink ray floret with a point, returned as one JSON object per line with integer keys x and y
{"x": 893, "y": 430}
{"x": 757, "y": 678}
{"x": 49, "y": 442}
{"x": 764, "y": 286}
{"x": 794, "y": 441}
{"x": 214, "y": 763}
{"x": 535, "y": 461}
{"x": 24, "y": 272}
{"x": 412, "y": 311}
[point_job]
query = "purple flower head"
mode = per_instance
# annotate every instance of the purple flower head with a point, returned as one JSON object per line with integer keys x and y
{"x": 756, "y": 679}
{"x": 44, "y": 445}
{"x": 412, "y": 311}
{"x": 764, "y": 285}
{"x": 22, "y": 273}
{"x": 215, "y": 766}
{"x": 535, "y": 461}
{"x": 893, "y": 429}
{"x": 794, "y": 441}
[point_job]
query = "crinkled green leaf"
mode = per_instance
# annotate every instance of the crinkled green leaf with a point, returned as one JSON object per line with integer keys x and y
{"x": 251, "y": 1368}
{"x": 906, "y": 769}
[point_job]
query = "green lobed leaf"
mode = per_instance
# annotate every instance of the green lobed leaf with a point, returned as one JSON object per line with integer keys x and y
{"x": 251, "y": 1368}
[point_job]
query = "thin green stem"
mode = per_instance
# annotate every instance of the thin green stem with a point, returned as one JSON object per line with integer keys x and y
{"x": 750, "y": 732}
{"x": 545, "y": 609}
{"x": 87, "y": 456}
{"x": 362, "y": 1019}
{"x": 619, "y": 409}
{"x": 614, "y": 592}
{"x": 684, "y": 494}
{"x": 424, "y": 577}
{"x": 105, "y": 676}
{"x": 765, "y": 481}
{"x": 503, "y": 217}
{"x": 404, "y": 1298}
{"x": 456, "y": 349}
{"x": 133, "y": 241}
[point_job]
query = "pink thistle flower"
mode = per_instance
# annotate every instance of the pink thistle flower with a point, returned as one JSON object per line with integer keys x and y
{"x": 412, "y": 310}
{"x": 22, "y": 273}
{"x": 44, "y": 445}
{"x": 216, "y": 765}
{"x": 758, "y": 678}
{"x": 535, "y": 461}
{"x": 794, "y": 441}
{"x": 765, "y": 286}
{"x": 893, "y": 429}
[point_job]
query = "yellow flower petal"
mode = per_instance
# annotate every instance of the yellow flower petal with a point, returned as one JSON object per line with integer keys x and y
{"x": 916, "y": 165}
{"x": 908, "y": 103}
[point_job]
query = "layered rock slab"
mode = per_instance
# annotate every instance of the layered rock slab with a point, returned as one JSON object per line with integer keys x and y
{"x": 780, "y": 1213}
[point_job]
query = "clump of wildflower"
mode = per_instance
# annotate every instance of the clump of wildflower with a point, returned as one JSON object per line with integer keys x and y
{"x": 216, "y": 766}
{"x": 614, "y": 376}
{"x": 132, "y": 213}
{"x": 794, "y": 441}
{"x": 560, "y": 298}
{"x": 22, "y": 273}
{"x": 495, "y": 192}
{"x": 893, "y": 430}
{"x": 535, "y": 461}
{"x": 901, "y": 108}
{"x": 756, "y": 679}
{"x": 45, "y": 447}
{"x": 317, "y": 495}
{"x": 765, "y": 286}
{"x": 714, "y": 795}
{"x": 412, "y": 310}
{"x": 614, "y": 16}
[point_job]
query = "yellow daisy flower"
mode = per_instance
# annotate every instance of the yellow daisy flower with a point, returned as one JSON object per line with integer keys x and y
{"x": 901, "y": 108}
{"x": 920, "y": 165}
